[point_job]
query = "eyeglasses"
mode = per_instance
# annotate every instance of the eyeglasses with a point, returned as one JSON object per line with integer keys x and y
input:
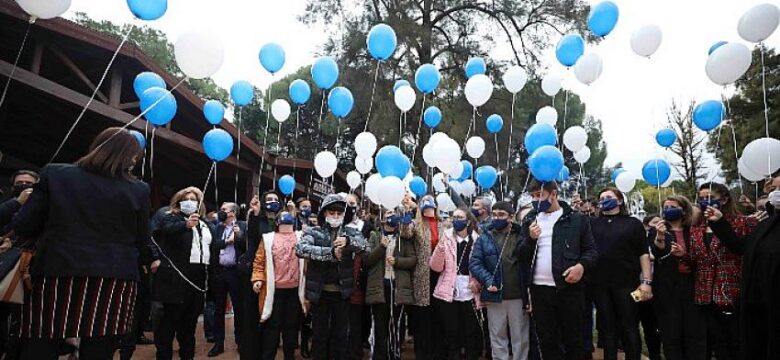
{"x": 458, "y": 217}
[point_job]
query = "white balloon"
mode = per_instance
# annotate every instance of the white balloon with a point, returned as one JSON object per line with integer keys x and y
{"x": 625, "y": 182}
{"x": 325, "y": 163}
{"x": 198, "y": 54}
{"x": 280, "y": 109}
{"x": 372, "y": 187}
{"x": 428, "y": 157}
{"x": 646, "y": 40}
{"x": 583, "y": 155}
{"x": 514, "y": 79}
{"x": 405, "y": 98}
{"x": 475, "y": 147}
{"x": 392, "y": 192}
{"x": 365, "y": 144}
{"x": 456, "y": 187}
{"x": 458, "y": 171}
{"x": 575, "y": 138}
{"x": 445, "y": 202}
{"x": 547, "y": 115}
{"x": 478, "y": 90}
{"x": 762, "y": 156}
{"x": 364, "y": 165}
{"x": 468, "y": 187}
{"x": 588, "y": 68}
{"x": 354, "y": 179}
{"x": 728, "y": 63}
{"x": 747, "y": 173}
{"x": 447, "y": 155}
{"x": 759, "y": 22}
{"x": 551, "y": 84}
{"x": 438, "y": 183}
{"x": 44, "y": 9}
{"x": 436, "y": 137}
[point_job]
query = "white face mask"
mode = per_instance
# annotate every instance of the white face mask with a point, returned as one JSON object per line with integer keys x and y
{"x": 774, "y": 198}
{"x": 334, "y": 222}
{"x": 188, "y": 207}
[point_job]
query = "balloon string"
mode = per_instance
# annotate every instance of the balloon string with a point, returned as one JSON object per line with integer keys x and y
{"x": 16, "y": 62}
{"x": 265, "y": 136}
{"x": 419, "y": 125}
{"x": 151, "y": 157}
{"x": 295, "y": 146}
{"x": 216, "y": 188}
{"x": 658, "y": 186}
{"x": 468, "y": 132}
{"x": 238, "y": 152}
{"x": 400, "y": 128}
{"x": 322, "y": 112}
{"x": 714, "y": 171}
{"x": 143, "y": 161}
{"x": 582, "y": 178}
{"x": 766, "y": 113}
{"x": 509, "y": 143}
{"x": 206, "y": 184}
{"x": 373, "y": 90}
{"x": 498, "y": 166}
{"x": 565, "y": 110}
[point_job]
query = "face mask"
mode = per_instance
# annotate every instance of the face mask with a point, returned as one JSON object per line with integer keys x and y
{"x": 672, "y": 214}
{"x": 774, "y": 198}
{"x": 459, "y": 225}
{"x": 350, "y": 211}
{"x": 334, "y": 222}
{"x": 427, "y": 204}
{"x": 475, "y": 212}
{"x": 608, "y": 204}
{"x": 188, "y": 207}
{"x": 704, "y": 203}
{"x": 18, "y": 189}
{"x": 285, "y": 219}
{"x": 393, "y": 220}
{"x": 542, "y": 206}
{"x": 306, "y": 212}
{"x": 500, "y": 224}
{"x": 221, "y": 216}
{"x": 273, "y": 206}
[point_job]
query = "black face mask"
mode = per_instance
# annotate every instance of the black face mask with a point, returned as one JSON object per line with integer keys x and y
{"x": 18, "y": 189}
{"x": 350, "y": 212}
{"x": 221, "y": 216}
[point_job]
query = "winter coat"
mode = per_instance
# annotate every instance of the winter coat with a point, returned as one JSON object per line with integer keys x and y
{"x": 374, "y": 262}
{"x": 444, "y": 260}
{"x": 263, "y": 270}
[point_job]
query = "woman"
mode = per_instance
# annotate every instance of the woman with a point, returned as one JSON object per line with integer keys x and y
{"x": 759, "y": 291}
{"x": 90, "y": 221}
{"x": 623, "y": 267}
{"x": 185, "y": 243}
{"x": 278, "y": 279}
{"x": 681, "y": 322}
{"x": 457, "y": 289}
{"x": 647, "y": 317}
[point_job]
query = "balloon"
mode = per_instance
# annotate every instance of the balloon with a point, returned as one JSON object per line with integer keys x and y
{"x": 475, "y": 147}
{"x": 428, "y": 155}
{"x": 457, "y": 172}
{"x": 372, "y": 187}
{"x": 324, "y": 72}
{"x": 432, "y": 117}
{"x": 147, "y": 9}
{"x": 563, "y": 175}
{"x": 340, "y": 102}
{"x": 214, "y": 112}
{"x": 381, "y": 41}
{"x": 467, "y": 172}
{"x": 455, "y": 187}
{"x": 616, "y": 172}
{"x": 418, "y": 186}
{"x": 400, "y": 83}
{"x": 569, "y": 49}
{"x": 364, "y": 165}
{"x": 280, "y": 109}
{"x": 353, "y": 179}
{"x": 365, "y": 145}
{"x": 445, "y": 202}
{"x": 325, "y": 162}
{"x": 646, "y": 40}
{"x": 198, "y": 54}
{"x": 286, "y": 185}
{"x": 427, "y": 78}
{"x": 447, "y": 155}
{"x": 603, "y": 18}
{"x": 159, "y": 105}
{"x": 474, "y": 66}
{"x": 391, "y": 161}
{"x": 438, "y": 183}
{"x": 747, "y": 173}
{"x": 539, "y": 135}
{"x": 515, "y": 79}
{"x": 728, "y": 63}
{"x": 494, "y": 123}
{"x": 486, "y": 176}
{"x": 217, "y": 144}
{"x": 588, "y": 68}
{"x": 715, "y": 46}
{"x": 272, "y": 57}
{"x": 44, "y": 9}
{"x": 242, "y": 92}
{"x": 547, "y": 115}
{"x": 575, "y": 138}
{"x": 405, "y": 98}
{"x": 437, "y": 136}
{"x": 625, "y": 182}
{"x": 656, "y": 172}
{"x": 708, "y": 115}
{"x": 758, "y": 23}
{"x": 140, "y": 137}
{"x": 546, "y": 163}
{"x": 478, "y": 90}
{"x": 583, "y": 155}
{"x": 146, "y": 80}
{"x": 299, "y": 92}
{"x": 468, "y": 187}
{"x": 551, "y": 84}
{"x": 762, "y": 156}
{"x": 665, "y": 137}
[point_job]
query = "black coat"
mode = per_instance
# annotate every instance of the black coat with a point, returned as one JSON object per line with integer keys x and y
{"x": 7, "y": 210}
{"x": 218, "y": 243}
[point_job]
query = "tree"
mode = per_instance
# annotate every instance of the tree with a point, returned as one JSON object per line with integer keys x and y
{"x": 688, "y": 146}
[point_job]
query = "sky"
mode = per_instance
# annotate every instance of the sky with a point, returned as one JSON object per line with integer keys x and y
{"x": 630, "y": 97}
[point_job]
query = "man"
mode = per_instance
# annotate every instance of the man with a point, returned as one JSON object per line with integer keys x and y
{"x": 230, "y": 245}
{"x": 22, "y": 182}
{"x": 558, "y": 247}
{"x": 480, "y": 208}
{"x": 498, "y": 269}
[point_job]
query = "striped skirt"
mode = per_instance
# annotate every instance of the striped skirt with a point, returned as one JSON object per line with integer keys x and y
{"x": 85, "y": 307}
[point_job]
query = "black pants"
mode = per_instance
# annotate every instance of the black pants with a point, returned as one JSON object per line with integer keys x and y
{"x": 587, "y": 318}
{"x": 250, "y": 333}
{"x": 557, "y": 315}
{"x": 306, "y": 330}
{"x": 682, "y": 323}
{"x": 99, "y": 348}
{"x": 650, "y": 329}
{"x": 422, "y": 319}
{"x": 722, "y": 332}
{"x": 461, "y": 329}
{"x": 283, "y": 322}
{"x": 618, "y": 315}
{"x": 356, "y": 333}
{"x": 225, "y": 281}
{"x": 10, "y": 323}
{"x": 387, "y": 336}
{"x": 330, "y": 325}
{"x": 179, "y": 321}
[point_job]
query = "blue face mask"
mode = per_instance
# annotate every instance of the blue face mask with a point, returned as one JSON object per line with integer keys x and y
{"x": 542, "y": 206}
{"x": 475, "y": 212}
{"x": 672, "y": 214}
{"x": 704, "y": 203}
{"x": 393, "y": 220}
{"x": 500, "y": 224}
{"x": 608, "y": 204}
{"x": 273, "y": 206}
{"x": 306, "y": 212}
{"x": 286, "y": 218}
{"x": 459, "y": 225}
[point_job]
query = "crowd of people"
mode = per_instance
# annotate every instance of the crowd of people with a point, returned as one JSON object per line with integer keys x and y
{"x": 492, "y": 279}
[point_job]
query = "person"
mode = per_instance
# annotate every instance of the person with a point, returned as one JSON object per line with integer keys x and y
{"x": 480, "y": 208}
{"x": 389, "y": 285}
{"x": 357, "y": 301}
{"x": 557, "y": 247}
{"x": 353, "y": 209}
{"x": 647, "y": 318}
{"x": 329, "y": 250}
{"x": 622, "y": 268}
{"x": 682, "y": 323}
{"x": 22, "y": 182}
{"x": 759, "y": 314}
{"x": 304, "y": 211}
{"x": 225, "y": 276}
{"x": 90, "y": 224}
{"x": 457, "y": 288}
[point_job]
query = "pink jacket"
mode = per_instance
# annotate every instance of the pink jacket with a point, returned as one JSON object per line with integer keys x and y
{"x": 444, "y": 260}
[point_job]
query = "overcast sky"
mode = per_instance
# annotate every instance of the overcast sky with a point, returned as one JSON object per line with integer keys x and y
{"x": 630, "y": 98}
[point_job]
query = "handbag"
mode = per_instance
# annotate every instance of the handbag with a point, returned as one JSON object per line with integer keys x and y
{"x": 14, "y": 266}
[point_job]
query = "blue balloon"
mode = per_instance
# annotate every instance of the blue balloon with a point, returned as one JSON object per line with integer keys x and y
{"x": 539, "y": 135}
{"x": 666, "y": 137}
{"x": 494, "y": 123}
{"x": 340, "y": 102}
{"x": 217, "y": 144}
{"x": 418, "y": 186}
{"x": 161, "y": 106}
{"x": 381, "y": 41}
{"x": 391, "y": 161}
{"x": 242, "y": 92}
{"x": 148, "y": 9}
{"x": 399, "y": 83}
{"x": 299, "y": 91}
{"x": 214, "y": 112}
{"x": 468, "y": 170}
{"x": 432, "y": 117}
{"x": 546, "y": 163}
{"x": 474, "y": 66}
{"x": 569, "y": 49}
{"x": 286, "y": 185}
{"x": 324, "y": 72}
{"x": 146, "y": 80}
{"x": 656, "y": 172}
{"x": 603, "y": 18}
{"x": 140, "y": 137}
{"x": 617, "y": 172}
{"x": 486, "y": 176}
{"x": 272, "y": 57}
{"x": 427, "y": 78}
{"x": 715, "y": 46}
{"x": 564, "y": 174}
{"x": 708, "y": 114}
